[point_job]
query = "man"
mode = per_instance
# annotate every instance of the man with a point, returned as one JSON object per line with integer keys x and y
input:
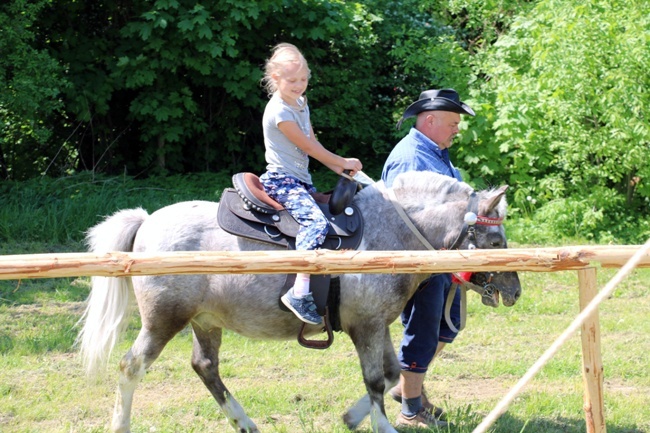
{"x": 426, "y": 332}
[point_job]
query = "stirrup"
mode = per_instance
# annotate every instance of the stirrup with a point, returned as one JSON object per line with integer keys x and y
{"x": 317, "y": 344}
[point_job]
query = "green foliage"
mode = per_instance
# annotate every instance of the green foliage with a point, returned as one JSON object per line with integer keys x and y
{"x": 475, "y": 25}
{"x": 173, "y": 86}
{"x": 30, "y": 85}
{"x": 478, "y": 23}
{"x": 425, "y": 55}
{"x": 566, "y": 96}
{"x": 181, "y": 58}
{"x": 344, "y": 87}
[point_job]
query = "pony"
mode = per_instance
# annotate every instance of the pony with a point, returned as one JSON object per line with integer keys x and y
{"x": 435, "y": 206}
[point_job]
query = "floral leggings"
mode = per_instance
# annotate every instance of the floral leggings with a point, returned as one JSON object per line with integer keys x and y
{"x": 295, "y": 196}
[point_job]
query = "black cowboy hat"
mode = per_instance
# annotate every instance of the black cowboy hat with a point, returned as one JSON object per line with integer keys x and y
{"x": 436, "y": 100}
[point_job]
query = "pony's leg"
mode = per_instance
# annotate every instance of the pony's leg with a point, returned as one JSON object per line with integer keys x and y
{"x": 131, "y": 373}
{"x": 141, "y": 355}
{"x": 205, "y": 361}
{"x": 372, "y": 346}
{"x": 392, "y": 368}
{"x": 361, "y": 409}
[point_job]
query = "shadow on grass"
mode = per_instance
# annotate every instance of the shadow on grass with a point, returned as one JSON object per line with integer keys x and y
{"x": 508, "y": 423}
{"x": 512, "y": 424}
{"x": 41, "y": 290}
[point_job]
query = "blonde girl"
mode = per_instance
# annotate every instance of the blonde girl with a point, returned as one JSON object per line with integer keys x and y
{"x": 289, "y": 142}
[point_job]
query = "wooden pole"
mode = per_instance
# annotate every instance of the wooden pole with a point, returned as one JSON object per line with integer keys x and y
{"x": 592, "y": 365}
{"x": 115, "y": 264}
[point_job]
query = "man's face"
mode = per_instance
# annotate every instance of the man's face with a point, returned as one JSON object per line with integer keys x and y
{"x": 441, "y": 127}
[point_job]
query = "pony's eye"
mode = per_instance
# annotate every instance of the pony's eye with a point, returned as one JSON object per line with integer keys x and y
{"x": 495, "y": 244}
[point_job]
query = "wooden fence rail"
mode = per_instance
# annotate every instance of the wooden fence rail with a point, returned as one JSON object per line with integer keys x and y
{"x": 114, "y": 264}
{"x": 579, "y": 258}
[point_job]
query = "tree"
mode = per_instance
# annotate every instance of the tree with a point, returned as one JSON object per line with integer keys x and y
{"x": 173, "y": 85}
{"x": 31, "y": 83}
{"x": 566, "y": 96}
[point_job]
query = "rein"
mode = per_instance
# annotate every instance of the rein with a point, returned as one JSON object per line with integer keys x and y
{"x": 470, "y": 220}
{"x": 407, "y": 220}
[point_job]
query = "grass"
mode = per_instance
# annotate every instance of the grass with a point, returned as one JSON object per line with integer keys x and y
{"x": 59, "y": 211}
{"x": 286, "y": 388}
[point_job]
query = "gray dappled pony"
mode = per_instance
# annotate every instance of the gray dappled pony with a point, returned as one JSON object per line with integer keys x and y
{"x": 248, "y": 304}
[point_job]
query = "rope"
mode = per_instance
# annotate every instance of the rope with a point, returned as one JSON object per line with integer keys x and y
{"x": 502, "y": 406}
{"x": 463, "y": 307}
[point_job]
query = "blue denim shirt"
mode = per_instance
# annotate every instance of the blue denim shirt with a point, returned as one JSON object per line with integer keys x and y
{"x": 417, "y": 152}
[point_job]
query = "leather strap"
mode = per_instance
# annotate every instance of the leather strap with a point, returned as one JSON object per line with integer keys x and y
{"x": 463, "y": 307}
{"x": 317, "y": 344}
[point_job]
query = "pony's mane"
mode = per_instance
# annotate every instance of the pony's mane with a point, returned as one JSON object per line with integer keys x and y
{"x": 436, "y": 187}
{"x": 412, "y": 186}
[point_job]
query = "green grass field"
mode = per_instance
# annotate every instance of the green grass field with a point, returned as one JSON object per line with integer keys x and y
{"x": 286, "y": 388}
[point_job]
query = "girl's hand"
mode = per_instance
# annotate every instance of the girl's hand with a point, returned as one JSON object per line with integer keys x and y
{"x": 352, "y": 164}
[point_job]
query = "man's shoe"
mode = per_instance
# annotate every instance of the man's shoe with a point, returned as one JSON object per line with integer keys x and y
{"x": 438, "y": 412}
{"x": 304, "y": 308}
{"x": 423, "y": 419}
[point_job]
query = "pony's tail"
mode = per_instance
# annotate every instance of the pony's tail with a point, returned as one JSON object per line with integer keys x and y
{"x": 109, "y": 303}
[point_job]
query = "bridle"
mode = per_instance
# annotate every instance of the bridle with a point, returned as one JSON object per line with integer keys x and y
{"x": 471, "y": 219}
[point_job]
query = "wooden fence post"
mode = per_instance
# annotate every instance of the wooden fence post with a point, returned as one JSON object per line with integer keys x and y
{"x": 592, "y": 365}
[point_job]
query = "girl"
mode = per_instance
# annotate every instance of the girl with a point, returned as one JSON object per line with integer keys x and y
{"x": 289, "y": 141}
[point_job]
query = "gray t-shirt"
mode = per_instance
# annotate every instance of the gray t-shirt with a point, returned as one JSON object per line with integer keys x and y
{"x": 282, "y": 156}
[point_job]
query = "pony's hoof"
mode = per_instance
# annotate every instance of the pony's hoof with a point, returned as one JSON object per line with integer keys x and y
{"x": 351, "y": 421}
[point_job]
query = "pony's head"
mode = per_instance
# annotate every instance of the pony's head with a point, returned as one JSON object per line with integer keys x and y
{"x": 473, "y": 220}
{"x": 490, "y": 234}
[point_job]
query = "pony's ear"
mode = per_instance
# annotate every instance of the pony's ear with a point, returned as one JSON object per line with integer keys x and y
{"x": 492, "y": 200}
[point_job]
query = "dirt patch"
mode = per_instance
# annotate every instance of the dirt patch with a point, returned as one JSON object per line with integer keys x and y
{"x": 51, "y": 308}
{"x": 625, "y": 388}
{"x": 469, "y": 389}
